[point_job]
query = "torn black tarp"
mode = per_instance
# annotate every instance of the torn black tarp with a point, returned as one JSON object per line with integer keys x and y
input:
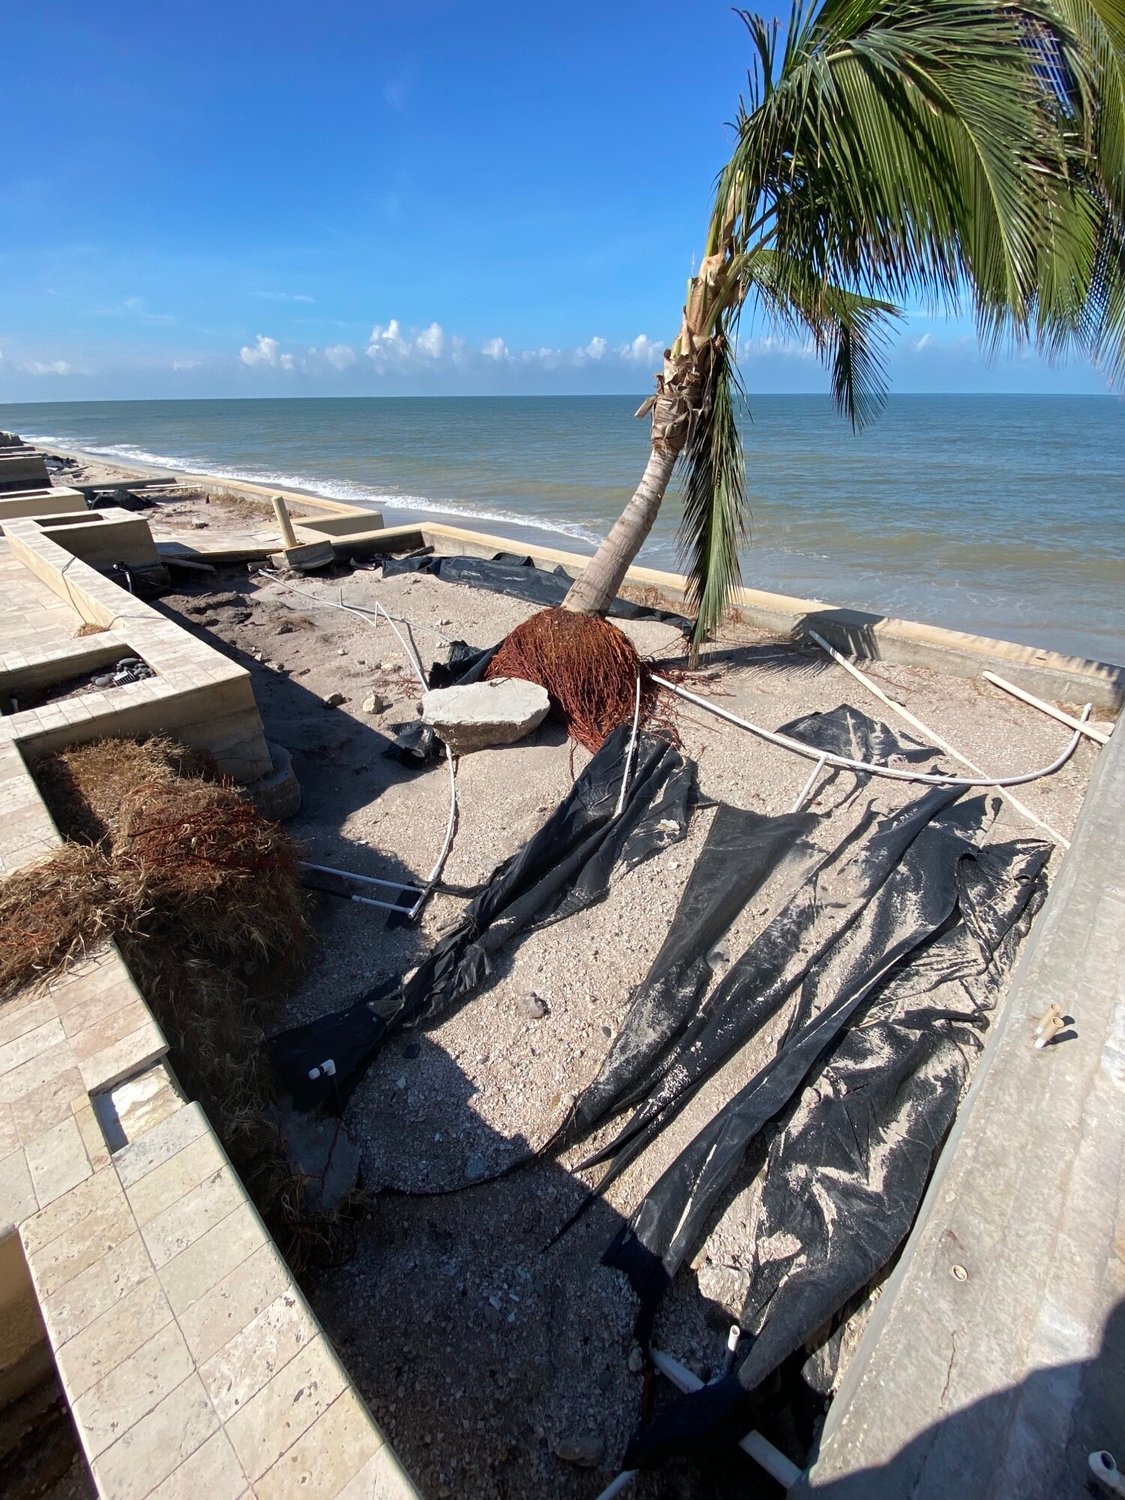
{"x": 562, "y": 869}
{"x": 845, "y": 1174}
{"x": 744, "y": 851}
{"x": 518, "y": 577}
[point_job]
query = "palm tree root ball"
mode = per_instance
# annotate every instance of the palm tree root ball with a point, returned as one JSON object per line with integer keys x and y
{"x": 589, "y": 668}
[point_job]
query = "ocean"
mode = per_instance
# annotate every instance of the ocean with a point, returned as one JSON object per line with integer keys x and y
{"x": 1003, "y": 515}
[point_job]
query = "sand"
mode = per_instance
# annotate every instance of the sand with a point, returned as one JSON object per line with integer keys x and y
{"x": 483, "y": 1355}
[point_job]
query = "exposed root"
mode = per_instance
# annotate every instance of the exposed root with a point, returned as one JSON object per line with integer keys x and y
{"x": 588, "y": 667}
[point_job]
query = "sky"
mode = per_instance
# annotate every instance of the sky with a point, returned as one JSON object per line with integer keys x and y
{"x": 448, "y": 197}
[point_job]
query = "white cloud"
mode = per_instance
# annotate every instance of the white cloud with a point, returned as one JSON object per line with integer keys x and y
{"x": 924, "y": 342}
{"x": 285, "y": 296}
{"x": 431, "y": 340}
{"x": 339, "y": 356}
{"x": 643, "y": 350}
{"x": 495, "y": 349}
{"x": 264, "y": 351}
{"x": 285, "y": 362}
{"x": 186, "y": 364}
{"x": 49, "y": 367}
{"x": 596, "y": 348}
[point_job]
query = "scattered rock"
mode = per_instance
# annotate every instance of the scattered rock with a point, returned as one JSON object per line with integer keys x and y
{"x": 374, "y": 704}
{"x": 481, "y": 714}
{"x": 636, "y": 1361}
{"x": 585, "y": 1449}
{"x": 534, "y": 1006}
{"x": 334, "y": 700}
{"x": 198, "y": 524}
{"x": 475, "y": 1167}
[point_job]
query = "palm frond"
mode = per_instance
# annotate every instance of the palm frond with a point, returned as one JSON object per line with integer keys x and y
{"x": 715, "y": 521}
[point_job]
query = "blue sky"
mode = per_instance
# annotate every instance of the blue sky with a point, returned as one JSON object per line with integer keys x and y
{"x": 444, "y": 197}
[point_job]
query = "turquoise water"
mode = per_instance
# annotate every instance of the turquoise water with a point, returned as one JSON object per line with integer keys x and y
{"x": 1003, "y": 515}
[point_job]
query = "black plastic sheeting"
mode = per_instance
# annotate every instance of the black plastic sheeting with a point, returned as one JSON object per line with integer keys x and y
{"x": 565, "y": 867}
{"x": 415, "y": 744}
{"x": 891, "y": 945}
{"x": 507, "y": 573}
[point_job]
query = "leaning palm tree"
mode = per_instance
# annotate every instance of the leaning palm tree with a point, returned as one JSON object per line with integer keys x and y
{"x": 964, "y": 152}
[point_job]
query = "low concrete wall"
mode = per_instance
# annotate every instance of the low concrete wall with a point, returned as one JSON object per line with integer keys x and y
{"x": 39, "y": 502}
{"x": 111, "y": 539}
{"x": 1049, "y": 674}
{"x": 197, "y": 694}
{"x": 24, "y": 469}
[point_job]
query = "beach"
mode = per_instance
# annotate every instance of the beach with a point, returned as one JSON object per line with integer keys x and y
{"x": 484, "y": 1355}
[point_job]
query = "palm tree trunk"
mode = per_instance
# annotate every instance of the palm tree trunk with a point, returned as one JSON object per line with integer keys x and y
{"x": 595, "y": 590}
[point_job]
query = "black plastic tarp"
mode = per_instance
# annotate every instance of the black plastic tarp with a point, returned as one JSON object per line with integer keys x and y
{"x": 562, "y": 869}
{"x": 856, "y": 1142}
{"x": 508, "y": 573}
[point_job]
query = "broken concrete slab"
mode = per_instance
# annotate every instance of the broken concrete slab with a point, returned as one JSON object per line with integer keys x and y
{"x": 481, "y": 714}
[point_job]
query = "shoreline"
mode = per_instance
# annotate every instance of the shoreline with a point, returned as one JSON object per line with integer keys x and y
{"x": 403, "y": 515}
{"x": 99, "y": 468}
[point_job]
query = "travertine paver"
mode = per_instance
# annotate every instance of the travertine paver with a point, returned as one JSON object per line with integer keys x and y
{"x": 191, "y": 1362}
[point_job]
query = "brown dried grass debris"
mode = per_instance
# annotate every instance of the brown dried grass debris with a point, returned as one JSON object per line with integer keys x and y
{"x": 588, "y": 667}
{"x": 201, "y": 893}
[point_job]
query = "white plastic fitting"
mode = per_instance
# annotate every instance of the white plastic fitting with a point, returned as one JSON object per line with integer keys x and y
{"x": 1104, "y": 1468}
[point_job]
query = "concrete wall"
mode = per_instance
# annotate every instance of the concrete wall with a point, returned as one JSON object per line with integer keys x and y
{"x": 40, "y": 502}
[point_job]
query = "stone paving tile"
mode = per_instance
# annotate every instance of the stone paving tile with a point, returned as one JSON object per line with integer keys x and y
{"x": 214, "y": 1255}
{"x": 257, "y": 1352}
{"x": 330, "y": 1453}
{"x": 212, "y": 1320}
{"x": 213, "y": 1472}
{"x": 58, "y": 1161}
{"x": 24, "y": 1014}
{"x": 17, "y": 1192}
{"x": 37, "y": 1073}
{"x": 113, "y": 1336}
{"x": 132, "y": 1389}
{"x": 72, "y": 1253}
{"x": 174, "y": 1179}
{"x": 9, "y": 1131}
{"x": 40, "y": 1109}
{"x": 30, "y": 1045}
{"x": 156, "y": 1445}
{"x": 381, "y": 1478}
{"x": 160, "y": 1144}
{"x": 87, "y": 1296}
{"x": 121, "y": 1059}
{"x": 179, "y": 1226}
{"x": 272, "y": 1421}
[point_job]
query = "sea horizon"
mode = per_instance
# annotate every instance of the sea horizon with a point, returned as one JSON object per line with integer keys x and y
{"x": 1000, "y": 515}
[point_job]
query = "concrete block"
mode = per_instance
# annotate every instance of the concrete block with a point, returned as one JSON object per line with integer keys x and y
{"x": 305, "y": 558}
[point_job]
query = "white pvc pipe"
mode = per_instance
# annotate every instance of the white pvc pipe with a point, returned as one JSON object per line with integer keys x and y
{"x": 412, "y": 656}
{"x": 627, "y": 772}
{"x": 1089, "y": 730}
{"x": 924, "y": 729}
{"x": 811, "y": 753}
{"x": 760, "y": 1449}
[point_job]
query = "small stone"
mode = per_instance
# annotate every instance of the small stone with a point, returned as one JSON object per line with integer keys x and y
{"x": 334, "y": 700}
{"x": 343, "y": 651}
{"x": 636, "y": 1361}
{"x": 475, "y": 1168}
{"x": 374, "y": 704}
{"x": 585, "y": 1449}
{"x": 198, "y": 524}
{"x": 445, "y": 622}
{"x": 534, "y": 1006}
